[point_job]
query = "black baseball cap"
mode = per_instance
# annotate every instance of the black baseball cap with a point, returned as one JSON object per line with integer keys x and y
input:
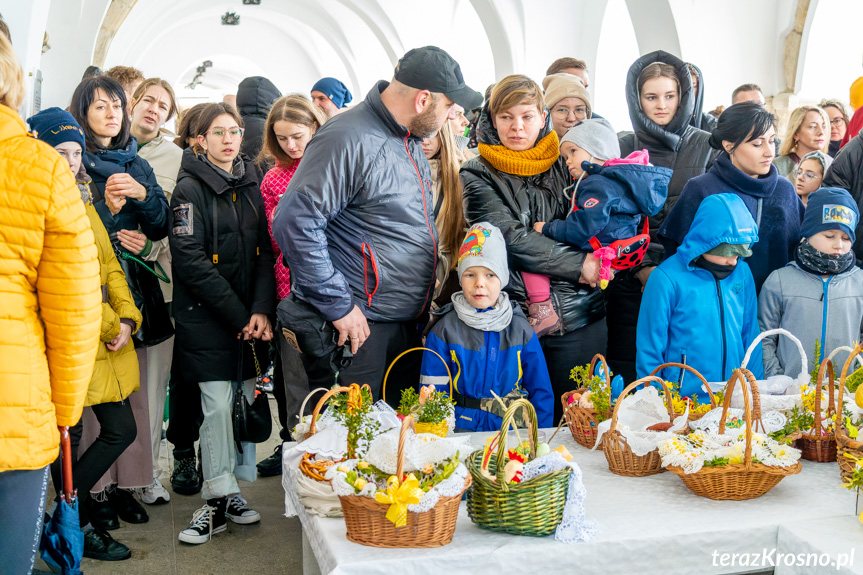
{"x": 432, "y": 69}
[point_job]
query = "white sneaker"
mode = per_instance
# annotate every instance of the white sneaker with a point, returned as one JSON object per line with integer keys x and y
{"x": 155, "y": 494}
{"x": 238, "y": 512}
{"x": 206, "y": 522}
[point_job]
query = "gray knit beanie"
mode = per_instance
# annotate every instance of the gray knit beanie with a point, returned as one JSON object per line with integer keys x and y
{"x": 484, "y": 246}
{"x": 597, "y": 137}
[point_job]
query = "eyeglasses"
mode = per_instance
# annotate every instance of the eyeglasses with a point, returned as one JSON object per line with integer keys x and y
{"x": 837, "y": 121}
{"x": 220, "y": 132}
{"x": 563, "y": 113}
{"x": 807, "y": 176}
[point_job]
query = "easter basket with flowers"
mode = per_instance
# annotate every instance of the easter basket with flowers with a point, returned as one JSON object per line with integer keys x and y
{"x": 588, "y": 405}
{"x": 528, "y": 489}
{"x": 403, "y": 497}
{"x": 735, "y": 465}
{"x": 849, "y": 448}
{"x": 433, "y": 410}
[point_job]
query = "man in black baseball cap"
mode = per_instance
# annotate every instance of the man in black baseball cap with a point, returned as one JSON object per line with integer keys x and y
{"x": 356, "y": 223}
{"x": 432, "y": 69}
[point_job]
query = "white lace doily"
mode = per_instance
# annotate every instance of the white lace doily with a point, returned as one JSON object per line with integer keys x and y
{"x": 637, "y": 412}
{"x": 574, "y": 526}
{"x": 421, "y": 449}
{"x": 772, "y": 420}
{"x": 692, "y": 451}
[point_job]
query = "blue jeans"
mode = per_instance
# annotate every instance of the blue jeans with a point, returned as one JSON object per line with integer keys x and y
{"x": 22, "y": 501}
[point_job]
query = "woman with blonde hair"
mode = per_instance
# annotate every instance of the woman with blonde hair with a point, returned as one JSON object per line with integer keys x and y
{"x": 838, "y": 115}
{"x": 445, "y": 160}
{"x": 50, "y": 317}
{"x": 806, "y": 133}
{"x": 290, "y": 125}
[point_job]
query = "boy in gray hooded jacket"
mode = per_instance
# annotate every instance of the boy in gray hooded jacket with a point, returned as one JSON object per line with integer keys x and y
{"x": 819, "y": 295}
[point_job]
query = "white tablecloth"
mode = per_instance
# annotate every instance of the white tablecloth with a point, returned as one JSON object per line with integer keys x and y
{"x": 649, "y": 524}
{"x": 839, "y": 540}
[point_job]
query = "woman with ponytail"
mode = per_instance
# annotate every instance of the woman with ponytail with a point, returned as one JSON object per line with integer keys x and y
{"x": 745, "y": 137}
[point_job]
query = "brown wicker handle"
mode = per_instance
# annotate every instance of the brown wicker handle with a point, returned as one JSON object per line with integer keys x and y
{"x": 633, "y": 385}
{"x": 530, "y": 417}
{"x": 745, "y": 377}
{"x": 323, "y": 400}
{"x": 600, "y": 358}
{"x": 407, "y": 423}
{"x": 826, "y": 365}
{"x": 842, "y": 377}
{"x": 399, "y": 356}
{"x": 692, "y": 370}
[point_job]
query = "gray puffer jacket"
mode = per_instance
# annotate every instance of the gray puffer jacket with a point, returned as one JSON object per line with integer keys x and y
{"x": 810, "y": 308}
{"x": 356, "y": 223}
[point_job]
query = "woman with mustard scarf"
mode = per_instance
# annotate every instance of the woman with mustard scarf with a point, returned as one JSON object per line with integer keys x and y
{"x": 518, "y": 180}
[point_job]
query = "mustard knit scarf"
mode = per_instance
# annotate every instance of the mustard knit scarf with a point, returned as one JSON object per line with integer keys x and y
{"x": 530, "y": 162}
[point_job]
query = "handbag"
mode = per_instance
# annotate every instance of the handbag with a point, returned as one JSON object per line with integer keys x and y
{"x": 252, "y": 423}
{"x": 143, "y": 281}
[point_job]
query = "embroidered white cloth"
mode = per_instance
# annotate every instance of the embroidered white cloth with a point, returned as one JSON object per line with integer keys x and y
{"x": 637, "y": 412}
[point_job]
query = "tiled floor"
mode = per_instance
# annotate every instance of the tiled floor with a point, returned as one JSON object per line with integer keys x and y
{"x": 272, "y": 546}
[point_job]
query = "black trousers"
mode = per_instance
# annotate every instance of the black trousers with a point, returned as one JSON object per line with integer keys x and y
{"x": 184, "y": 416}
{"x": 564, "y": 352}
{"x": 386, "y": 341}
{"x": 118, "y": 431}
{"x": 290, "y": 385}
{"x": 623, "y": 302}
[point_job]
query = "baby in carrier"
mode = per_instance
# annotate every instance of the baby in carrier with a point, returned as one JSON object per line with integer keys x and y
{"x": 610, "y": 197}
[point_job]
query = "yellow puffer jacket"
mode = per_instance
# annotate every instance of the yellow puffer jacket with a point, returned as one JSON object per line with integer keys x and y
{"x": 116, "y": 373}
{"x": 49, "y": 298}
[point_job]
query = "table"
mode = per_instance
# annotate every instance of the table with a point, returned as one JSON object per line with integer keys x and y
{"x": 839, "y": 539}
{"x": 648, "y": 524}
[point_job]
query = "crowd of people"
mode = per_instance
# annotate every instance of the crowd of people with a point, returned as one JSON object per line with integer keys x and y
{"x": 327, "y": 240}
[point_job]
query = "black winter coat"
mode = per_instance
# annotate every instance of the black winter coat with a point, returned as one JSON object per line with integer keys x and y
{"x": 255, "y": 97}
{"x": 701, "y": 119}
{"x": 514, "y": 204}
{"x": 223, "y": 268}
{"x": 152, "y": 214}
{"x": 678, "y": 145}
{"x": 846, "y": 172}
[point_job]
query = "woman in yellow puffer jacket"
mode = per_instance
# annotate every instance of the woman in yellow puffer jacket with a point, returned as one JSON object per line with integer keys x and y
{"x": 115, "y": 375}
{"x": 49, "y": 317}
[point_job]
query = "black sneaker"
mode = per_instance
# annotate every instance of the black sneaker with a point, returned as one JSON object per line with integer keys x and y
{"x": 206, "y": 522}
{"x": 102, "y": 514}
{"x": 273, "y": 464}
{"x": 127, "y": 507}
{"x": 239, "y": 512}
{"x": 100, "y": 546}
{"x": 185, "y": 479}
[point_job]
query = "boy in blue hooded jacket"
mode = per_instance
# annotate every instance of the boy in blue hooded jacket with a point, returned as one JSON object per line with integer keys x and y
{"x": 487, "y": 343}
{"x": 699, "y": 305}
{"x": 611, "y": 199}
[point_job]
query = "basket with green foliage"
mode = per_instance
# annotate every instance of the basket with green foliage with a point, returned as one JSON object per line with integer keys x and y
{"x": 588, "y": 405}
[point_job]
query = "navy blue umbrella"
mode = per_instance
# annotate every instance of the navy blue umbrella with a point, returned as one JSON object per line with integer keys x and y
{"x": 62, "y": 543}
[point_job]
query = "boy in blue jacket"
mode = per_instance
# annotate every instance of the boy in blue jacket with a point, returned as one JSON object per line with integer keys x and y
{"x": 486, "y": 341}
{"x": 699, "y": 305}
{"x": 611, "y": 199}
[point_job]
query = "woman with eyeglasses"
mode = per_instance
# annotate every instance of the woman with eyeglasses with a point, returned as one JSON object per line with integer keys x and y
{"x": 806, "y": 133}
{"x": 838, "y": 124}
{"x": 661, "y": 102}
{"x": 745, "y": 138}
{"x": 567, "y": 101}
{"x": 809, "y": 174}
{"x": 224, "y": 294}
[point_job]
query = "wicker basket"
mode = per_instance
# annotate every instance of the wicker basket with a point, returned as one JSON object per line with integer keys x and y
{"x": 737, "y": 481}
{"x": 621, "y": 459}
{"x": 309, "y": 466}
{"x": 844, "y": 442}
{"x": 534, "y": 507}
{"x": 692, "y": 370}
{"x": 815, "y": 446}
{"x": 583, "y": 422}
{"x": 441, "y": 428}
{"x": 367, "y": 524}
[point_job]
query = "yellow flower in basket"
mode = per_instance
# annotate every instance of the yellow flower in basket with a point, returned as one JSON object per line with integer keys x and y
{"x": 737, "y": 454}
{"x": 399, "y": 496}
